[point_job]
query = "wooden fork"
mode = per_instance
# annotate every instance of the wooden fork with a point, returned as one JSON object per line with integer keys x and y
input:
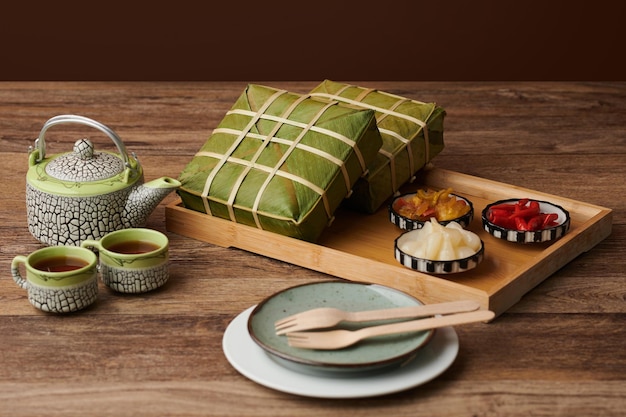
{"x": 319, "y": 318}
{"x": 338, "y": 339}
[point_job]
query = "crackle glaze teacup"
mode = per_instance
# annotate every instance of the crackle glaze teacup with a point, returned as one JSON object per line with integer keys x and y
{"x": 59, "y": 279}
{"x": 132, "y": 260}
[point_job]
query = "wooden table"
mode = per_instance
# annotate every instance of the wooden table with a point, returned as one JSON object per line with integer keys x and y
{"x": 559, "y": 351}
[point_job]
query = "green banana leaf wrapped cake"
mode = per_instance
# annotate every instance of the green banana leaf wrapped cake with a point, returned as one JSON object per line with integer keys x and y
{"x": 412, "y": 134}
{"x": 281, "y": 162}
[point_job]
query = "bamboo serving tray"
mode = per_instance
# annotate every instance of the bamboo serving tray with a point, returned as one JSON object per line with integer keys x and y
{"x": 360, "y": 247}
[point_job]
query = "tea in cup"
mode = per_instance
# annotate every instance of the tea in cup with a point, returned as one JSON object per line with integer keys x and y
{"x": 132, "y": 260}
{"x": 59, "y": 279}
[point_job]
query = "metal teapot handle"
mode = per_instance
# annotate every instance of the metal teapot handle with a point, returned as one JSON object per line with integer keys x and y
{"x": 40, "y": 143}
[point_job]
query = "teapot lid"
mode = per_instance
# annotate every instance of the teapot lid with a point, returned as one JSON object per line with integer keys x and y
{"x": 84, "y": 164}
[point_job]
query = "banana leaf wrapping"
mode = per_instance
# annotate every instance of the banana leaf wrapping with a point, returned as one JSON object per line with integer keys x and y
{"x": 281, "y": 162}
{"x": 412, "y": 134}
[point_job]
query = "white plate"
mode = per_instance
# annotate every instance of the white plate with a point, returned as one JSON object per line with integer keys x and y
{"x": 253, "y": 362}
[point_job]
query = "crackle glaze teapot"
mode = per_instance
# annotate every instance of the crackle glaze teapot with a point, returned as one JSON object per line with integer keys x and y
{"x": 85, "y": 194}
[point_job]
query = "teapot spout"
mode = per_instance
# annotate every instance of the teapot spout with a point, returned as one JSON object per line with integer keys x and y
{"x": 144, "y": 198}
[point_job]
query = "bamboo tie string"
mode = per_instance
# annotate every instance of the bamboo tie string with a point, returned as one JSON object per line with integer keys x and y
{"x": 235, "y": 144}
{"x": 283, "y": 159}
{"x": 264, "y": 143}
{"x": 385, "y": 112}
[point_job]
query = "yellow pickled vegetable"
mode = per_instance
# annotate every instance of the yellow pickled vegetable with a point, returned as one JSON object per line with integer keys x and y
{"x": 426, "y": 204}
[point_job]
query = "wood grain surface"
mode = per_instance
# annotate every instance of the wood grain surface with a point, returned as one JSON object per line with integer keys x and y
{"x": 559, "y": 351}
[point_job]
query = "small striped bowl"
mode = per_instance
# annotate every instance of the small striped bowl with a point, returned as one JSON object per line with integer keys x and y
{"x": 430, "y": 266}
{"x": 407, "y": 223}
{"x": 521, "y": 236}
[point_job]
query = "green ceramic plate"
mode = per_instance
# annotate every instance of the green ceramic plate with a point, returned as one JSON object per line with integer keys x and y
{"x": 375, "y": 354}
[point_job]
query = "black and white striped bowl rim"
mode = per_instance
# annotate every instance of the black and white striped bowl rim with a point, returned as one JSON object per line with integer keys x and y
{"x": 410, "y": 224}
{"x": 519, "y": 236}
{"x": 438, "y": 267}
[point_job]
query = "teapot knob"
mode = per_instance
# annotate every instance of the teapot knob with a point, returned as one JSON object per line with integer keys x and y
{"x": 83, "y": 148}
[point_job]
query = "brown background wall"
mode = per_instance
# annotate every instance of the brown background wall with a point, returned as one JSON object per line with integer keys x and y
{"x": 313, "y": 40}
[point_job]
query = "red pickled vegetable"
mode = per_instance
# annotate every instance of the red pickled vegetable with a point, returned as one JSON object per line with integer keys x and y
{"x": 499, "y": 212}
{"x": 504, "y": 206}
{"x": 501, "y": 220}
{"x": 520, "y": 224}
{"x": 524, "y": 215}
{"x": 550, "y": 220}
{"x": 536, "y": 223}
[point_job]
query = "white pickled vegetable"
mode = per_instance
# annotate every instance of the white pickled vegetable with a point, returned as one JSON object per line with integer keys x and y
{"x": 454, "y": 236}
{"x": 413, "y": 246}
{"x": 448, "y": 250}
{"x": 439, "y": 243}
{"x": 454, "y": 226}
{"x": 433, "y": 244}
{"x": 465, "y": 252}
{"x": 471, "y": 240}
{"x": 428, "y": 228}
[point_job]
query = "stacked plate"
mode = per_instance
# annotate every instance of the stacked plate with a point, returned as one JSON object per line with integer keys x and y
{"x": 373, "y": 367}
